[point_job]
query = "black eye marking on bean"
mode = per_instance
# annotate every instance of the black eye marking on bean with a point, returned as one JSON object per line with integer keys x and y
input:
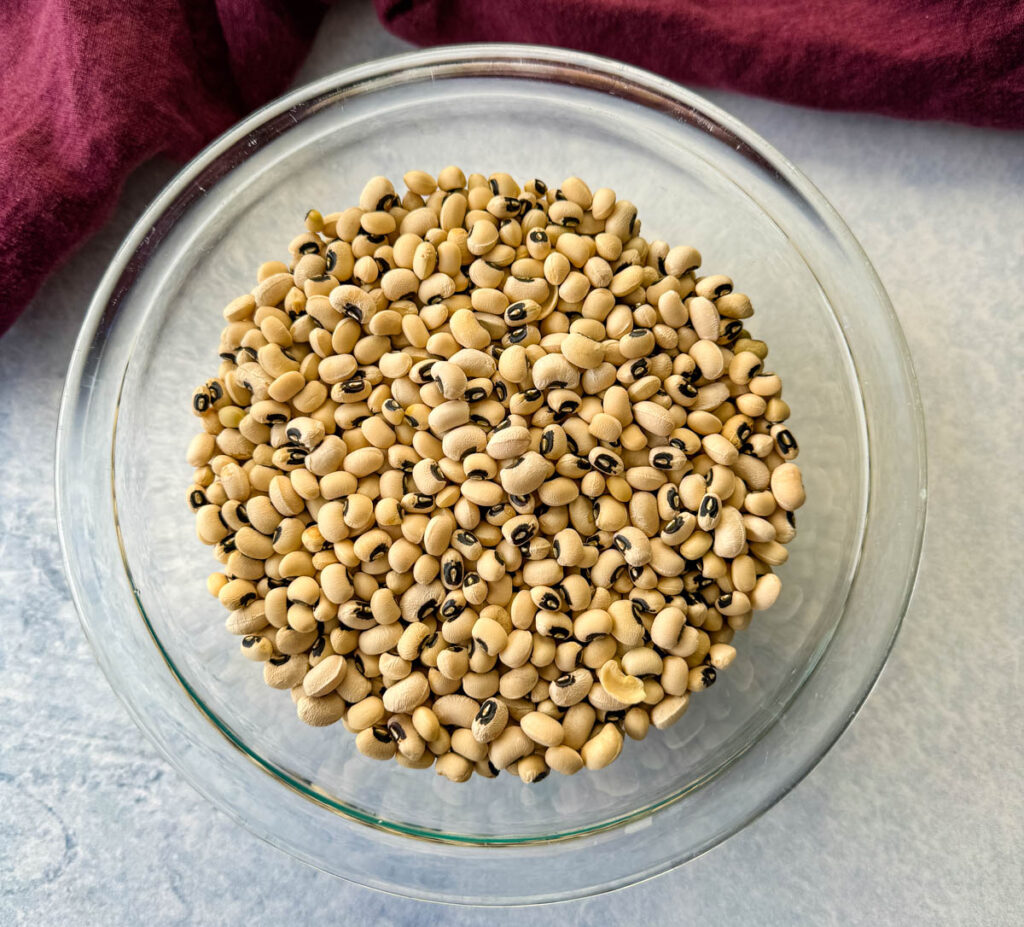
{"x": 452, "y": 608}
{"x": 522, "y": 535}
{"x": 709, "y": 507}
{"x": 785, "y": 440}
{"x": 731, "y": 330}
{"x": 488, "y": 709}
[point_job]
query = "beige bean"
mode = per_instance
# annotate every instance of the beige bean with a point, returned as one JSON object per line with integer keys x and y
{"x": 669, "y": 711}
{"x": 787, "y": 486}
{"x": 325, "y": 677}
{"x": 509, "y": 746}
{"x": 320, "y": 712}
{"x": 376, "y": 743}
{"x": 407, "y": 694}
{"x": 629, "y": 690}
{"x": 603, "y": 748}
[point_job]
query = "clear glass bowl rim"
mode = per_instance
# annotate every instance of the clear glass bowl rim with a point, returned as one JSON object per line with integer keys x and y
{"x": 105, "y": 305}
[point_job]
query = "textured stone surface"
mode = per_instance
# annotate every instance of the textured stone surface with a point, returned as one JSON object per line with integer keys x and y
{"x": 915, "y": 816}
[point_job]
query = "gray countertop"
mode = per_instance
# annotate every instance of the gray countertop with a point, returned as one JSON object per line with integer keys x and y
{"x": 915, "y": 816}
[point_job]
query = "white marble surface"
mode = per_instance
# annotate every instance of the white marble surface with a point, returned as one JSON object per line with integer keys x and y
{"x": 915, "y": 817}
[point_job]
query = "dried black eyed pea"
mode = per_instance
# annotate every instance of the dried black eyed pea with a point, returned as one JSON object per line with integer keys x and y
{"x": 787, "y": 486}
{"x": 257, "y": 648}
{"x": 325, "y": 677}
{"x": 542, "y": 729}
{"x": 454, "y": 767}
{"x": 603, "y": 748}
{"x": 320, "y": 712}
{"x": 668, "y": 711}
{"x": 376, "y": 742}
{"x": 466, "y": 436}
{"x": 490, "y": 720}
{"x": 563, "y": 759}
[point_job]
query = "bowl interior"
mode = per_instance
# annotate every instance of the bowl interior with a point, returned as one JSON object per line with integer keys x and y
{"x": 689, "y": 189}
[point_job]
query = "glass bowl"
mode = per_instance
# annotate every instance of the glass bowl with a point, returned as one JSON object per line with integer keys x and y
{"x": 698, "y": 176}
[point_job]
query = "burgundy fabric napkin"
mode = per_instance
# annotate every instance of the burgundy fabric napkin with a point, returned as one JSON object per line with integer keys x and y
{"x": 89, "y": 89}
{"x": 961, "y": 60}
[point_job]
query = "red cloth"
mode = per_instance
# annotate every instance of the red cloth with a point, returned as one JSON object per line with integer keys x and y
{"x": 961, "y": 60}
{"x": 89, "y": 89}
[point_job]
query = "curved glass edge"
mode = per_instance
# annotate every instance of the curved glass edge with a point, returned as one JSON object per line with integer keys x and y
{"x": 104, "y": 308}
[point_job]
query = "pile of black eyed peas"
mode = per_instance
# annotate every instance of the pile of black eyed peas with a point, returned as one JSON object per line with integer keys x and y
{"x": 493, "y": 479}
